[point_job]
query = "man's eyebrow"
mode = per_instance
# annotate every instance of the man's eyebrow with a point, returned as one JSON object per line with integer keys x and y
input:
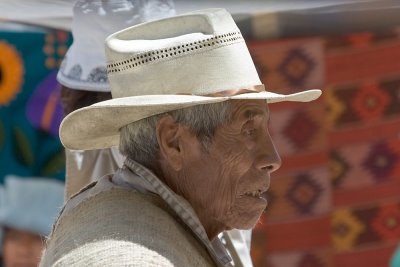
{"x": 251, "y": 113}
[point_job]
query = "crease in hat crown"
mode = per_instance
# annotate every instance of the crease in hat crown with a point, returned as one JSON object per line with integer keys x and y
{"x": 173, "y": 63}
{"x": 180, "y": 55}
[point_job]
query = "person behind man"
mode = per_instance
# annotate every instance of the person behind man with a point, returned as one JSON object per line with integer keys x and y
{"x": 83, "y": 74}
{"x": 28, "y": 207}
{"x": 190, "y": 114}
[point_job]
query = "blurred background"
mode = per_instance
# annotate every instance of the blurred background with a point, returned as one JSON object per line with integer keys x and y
{"x": 336, "y": 199}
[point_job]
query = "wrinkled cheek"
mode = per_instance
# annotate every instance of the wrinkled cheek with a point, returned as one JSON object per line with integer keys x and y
{"x": 240, "y": 164}
{"x": 222, "y": 207}
{"x": 235, "y": 157}
{"x": 223, "y": 204}
{"x": 244, "y": 214}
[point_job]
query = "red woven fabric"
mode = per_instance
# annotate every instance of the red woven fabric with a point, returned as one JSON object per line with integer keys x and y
{"x": 336, "y": 199}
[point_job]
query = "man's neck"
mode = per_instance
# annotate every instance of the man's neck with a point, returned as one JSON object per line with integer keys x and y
{"x": 212, "y": 227}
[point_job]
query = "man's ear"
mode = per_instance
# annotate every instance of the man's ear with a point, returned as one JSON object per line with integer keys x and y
{"x": 169, "y": 134}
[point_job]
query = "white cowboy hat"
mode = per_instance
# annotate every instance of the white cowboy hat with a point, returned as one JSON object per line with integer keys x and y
{"x": 30, "y": 203}
{"x": 84, "y": 65}
{"x": 169, "y": 64}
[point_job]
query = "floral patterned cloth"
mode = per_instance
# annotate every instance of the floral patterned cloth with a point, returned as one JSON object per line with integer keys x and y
{"x": 30, "y": 109}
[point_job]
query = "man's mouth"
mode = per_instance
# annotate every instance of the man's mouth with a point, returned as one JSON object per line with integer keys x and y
{"x": 256, "y": 194}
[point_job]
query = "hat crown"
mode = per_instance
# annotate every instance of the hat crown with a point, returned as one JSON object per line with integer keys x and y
{"x": 199, "y": 53}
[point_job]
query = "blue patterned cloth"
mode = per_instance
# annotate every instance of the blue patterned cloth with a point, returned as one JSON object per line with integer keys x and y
{"x": 30, "y": 108}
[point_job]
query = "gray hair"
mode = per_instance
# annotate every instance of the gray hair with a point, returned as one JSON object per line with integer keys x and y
{"x": 138, "y": 140}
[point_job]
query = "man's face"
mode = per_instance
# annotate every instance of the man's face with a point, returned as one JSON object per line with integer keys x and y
{"x": 227, "y": 183}
{"x": 21, "y": 248}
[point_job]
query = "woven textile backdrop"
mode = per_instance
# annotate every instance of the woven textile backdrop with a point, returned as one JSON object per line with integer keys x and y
{"x": 336, "y": 199}
{"x": 30, "y": 110}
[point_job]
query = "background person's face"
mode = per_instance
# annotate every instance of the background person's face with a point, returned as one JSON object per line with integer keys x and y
{"x": 228, "y": 182}
{"x": 21, "y": 248}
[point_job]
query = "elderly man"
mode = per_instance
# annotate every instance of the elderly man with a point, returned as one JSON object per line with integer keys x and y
{"x": 189, "y": 113}
{"x": 84, "y": 82}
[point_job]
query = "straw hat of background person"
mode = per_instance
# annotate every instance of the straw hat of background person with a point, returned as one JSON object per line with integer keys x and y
{"x": 28, "y": 208}
{"x": 84, "y": 65}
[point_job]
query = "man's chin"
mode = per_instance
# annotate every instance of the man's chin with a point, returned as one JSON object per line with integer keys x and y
{"x": 244, "y": 223}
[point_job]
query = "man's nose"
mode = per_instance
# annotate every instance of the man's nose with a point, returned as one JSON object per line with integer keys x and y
{"x": 268, "y": 158}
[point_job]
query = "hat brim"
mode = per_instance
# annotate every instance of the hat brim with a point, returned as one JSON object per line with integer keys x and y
{"x": 97, "y": 126}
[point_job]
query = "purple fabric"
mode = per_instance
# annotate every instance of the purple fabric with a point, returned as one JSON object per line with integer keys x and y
{"x": 46, "y": 98}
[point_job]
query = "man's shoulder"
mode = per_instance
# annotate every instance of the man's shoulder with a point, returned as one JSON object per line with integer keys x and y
{"x": 122, "y": 209}
{"x": 110, "y": 253}
{"x": 122, "y": 217}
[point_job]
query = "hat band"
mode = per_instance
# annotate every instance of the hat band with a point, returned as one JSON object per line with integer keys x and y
{"x": 252, "y": 89}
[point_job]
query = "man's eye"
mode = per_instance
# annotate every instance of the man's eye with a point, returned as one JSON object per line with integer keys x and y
{"x": 250, "y": 131}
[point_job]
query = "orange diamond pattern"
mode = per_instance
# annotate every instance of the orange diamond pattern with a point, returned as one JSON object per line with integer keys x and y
{"x": 370, "y": 102}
